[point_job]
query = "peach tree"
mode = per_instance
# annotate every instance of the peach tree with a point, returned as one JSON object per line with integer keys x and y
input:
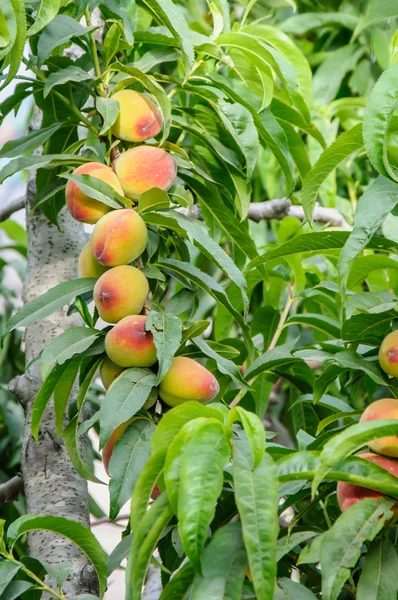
{"x": 211, "y": 213}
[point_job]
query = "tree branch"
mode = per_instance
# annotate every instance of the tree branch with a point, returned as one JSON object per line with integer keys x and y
{"x": 10, "y": 490}
{"x": 11, "y": 207}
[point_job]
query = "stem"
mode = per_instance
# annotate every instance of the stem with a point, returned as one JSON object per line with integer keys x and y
{"x": 94, "y": 52}
{"x": 43, "y": 586}
{"x": 282, "y": 320}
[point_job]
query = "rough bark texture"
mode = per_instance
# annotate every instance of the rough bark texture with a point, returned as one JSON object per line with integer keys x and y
{"x": 52, "y": 486}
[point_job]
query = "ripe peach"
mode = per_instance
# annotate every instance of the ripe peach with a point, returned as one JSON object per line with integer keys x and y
{"x": 128, "y": 344}
{"x": 82, "y": 207}
{"x": 120, "y": 292}
{"x": 388, "y": 354}
{"x": 119, "y": 237}
{"x": 187, "y": 380}
{"x": 88, "y": 264}
{"x": 143, "y": 168}
{"x": 349, "y": 493}
{"x": 386, "y": 408}
{"x": 139, "y": 118}
{"x": 109, "y": 371}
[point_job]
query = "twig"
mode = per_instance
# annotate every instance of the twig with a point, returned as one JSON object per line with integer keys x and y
{"x": 11, "y": 207}
{"x": 105, "y": 520}
{"x": 10, "y": 490}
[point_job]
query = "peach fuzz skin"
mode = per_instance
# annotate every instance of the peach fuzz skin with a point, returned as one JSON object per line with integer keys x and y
{"x": 187, "y": 380}
{"x": 128, "y": 344}
{"x": 143, "y": 168}
{"x": 386, "y": 408}
{"x": 120, "y": 292}
{"x": 388, "y": 354}
{"x": 88, "y": 264}
{"x": 109, "y": 371}
{"x": 349, "y": 493}
{"x": 81, "y": 207}
{"x": 139, "y": 118}
{"x": 119, "y": 237}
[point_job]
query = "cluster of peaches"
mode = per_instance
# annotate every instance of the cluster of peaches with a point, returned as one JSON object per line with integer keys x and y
{"x": 385, "y": 450}
{"x": 118, "y": 239}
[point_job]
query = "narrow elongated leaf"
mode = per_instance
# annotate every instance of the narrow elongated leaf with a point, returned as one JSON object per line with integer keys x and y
{"x": 376, "y": 13}
{"x": 368, "y": 328}
{"x": 302, "y": 24}
{"x": 256, "y": 497}
{"x": 99, "y": 190}
{"x": 329, "y": 76}
{"x": 317, "y": 321}
{"x": 378, "y": 579}
{"x": 124, "y": 400}
{"x": 61, "y": 29}
{"x": 225, "y": 366}
{"x": 292, "y": 590}
{"x": 71, "y": 73}
{"x": 57, "y": 297}
{"x": 62, "y": 391}
{"x": 254, "y": 430}
{"x": 71, "y": 342}
{"x": 239, "y": 122}
{"x": 27, "y": 143}
{"x": 167, "y": 332}
{"x": 18, "y": 45}
{"x": 275, "y": 358}
{"x": 127, "y": 461}
{"x": 201, "y": 480}
{"x": 289, "y": 542}
{"x": 36, "y": 162}
{"x": 179, "y": 584}
{"x": 109, "y": 110}
{"x": 341, "y": 545}
{"x": 48, "y": 9}
{"x": 144, "y": 486}
{"x": 77, "y": 533}
{"x": 7, "y": 572}
{"x": 15, "y": 589}
{"x": 223, "y": 566}
{"x": 118, "y": 554}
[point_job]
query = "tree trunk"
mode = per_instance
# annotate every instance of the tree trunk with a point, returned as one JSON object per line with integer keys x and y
{"x": 52, "y": 486}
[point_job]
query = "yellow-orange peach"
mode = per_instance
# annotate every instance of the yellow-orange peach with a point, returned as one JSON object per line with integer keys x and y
{"x": 386, "y": 408}
{"x": 88, "y": 264}
{"x": 388, "y": 354}
{"x": 120, "y": 292}
{"x": 187, "y": 380}
{"x": 109, "y": 371}
{"x": 139, "y": 118}
{"x": 119, "y": 237}
{"x": 349, "y": 493}
{"x": 128, "y": 344}
{"x": 82, "y": 207}
{"x": 143, "y": 168}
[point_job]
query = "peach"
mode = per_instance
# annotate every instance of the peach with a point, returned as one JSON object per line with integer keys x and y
{"x": 187, "y": 380}
{"x": 88, "y": 264}
{"x": 349, "y": 493}
{"x": 120, "y": 292}
{"x": 128, "y": 344}
{"x": 109, "y": 371}
{"x": 386, "y": 408}
{"x": 111, "y": 443}
{"x": 143, "y": 168}
{"x": 388, "y": 354}
{"x": 82, "y": 207}
{"x": 139, "y": 118}
{"x": 119, "y": 237}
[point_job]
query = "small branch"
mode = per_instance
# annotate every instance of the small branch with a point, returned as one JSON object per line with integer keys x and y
{"x": 11, "y": 207}
{"x": 105, "y": 520}
{"x": 10, "y": 490}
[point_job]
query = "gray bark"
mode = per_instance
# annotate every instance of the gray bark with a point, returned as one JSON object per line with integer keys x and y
{"x": 52, "y": 486}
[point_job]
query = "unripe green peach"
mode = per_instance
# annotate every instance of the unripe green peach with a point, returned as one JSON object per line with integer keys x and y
{"x": 109, "y": 371}
{"x": 388, "y": 354}
{"x": 82, "y": 207}
{"x": 187, "y": 380}
{"x": 120, "y": 292}
{"x": 143, "y": 168}
{"x": 349, "y": 493}
{"x": 88, "y": 264}
{"x": 119, "y": 237}
{"x": 139, "y": 118}
{"x": 386, "y": 408}
{"x": 128, "y": 344}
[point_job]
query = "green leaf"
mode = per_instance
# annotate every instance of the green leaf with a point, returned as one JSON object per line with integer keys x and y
{"x": 289, "y": 542}
{"x": 37, "y": 162}
{"x": 71, "y": 73}
{"x": 376, "y": 13}
{"x": 275, "y": 358}
{"x": 329, "y": 76}
{"x": 256, "y": 496}
{"x": 317, "y": 321}
{"x": 286, "y": 113}
{"x": 153, "y": 200}
{"x": 346, "y": 144}
{"x": 126, "y": 397}
{"x": 201, "y": 480}
{"x": 179, "y": 584}
{"x": 71, "y": 342}
{"x": 302, "y": 24}
{"x": 223, "y": 566}
{"x": 57, "y": 297}
{"x": 379, "y": 110}
{"x": 97, "y": 189}
{"x": 15, "y": 589}
{"x": 7, "y": 572}
{"x": 167, "y": 332}
{"x": 167, "y": 13}
{"x": 292, "y": 590}
{"x": 353, "y": 360}
{"x": 16, "y": 52}
{"x": 378, "y": 579}
{"x": 29, "y": 142}
{"x": 109, "y": 110}
{"x": 62, "y": 391}
{"x": 254, "y": 430}
{"x": 239, "y": 122}
{"x": 379, "y": 198}
{"x": 118, "y": 554}
{"x": 144, "y": 486}
{"x": 48, "y": 9}
{"x": 77, "y": 533}
{"x": 128, "y": 458}
{"x": 341, "y": 545}
{"x": 368, "y": 328}
{"x": 60, "y": 31}
{"x": 225, "y": 366}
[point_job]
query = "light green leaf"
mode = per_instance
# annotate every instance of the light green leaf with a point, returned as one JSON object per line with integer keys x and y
{"x": 37, "y": 162}
{"x": 48, "y": 9}
{"x": 60, "y": 31}
{"x": 7, "y": 572}
{"x": 144, "y": 486}
{"x": 225, "y": 366}
{"x": 27, "y": 143}
{"x": 109, "y": 110}
{"x": 254, "y": 430}
{"x": 292, "y": 590}
{"x": 302, "y": 24}
{"x": 329, "y": 76}
{"x": 15, "y": 589}
{"x": 378, "y": 580}
{"x": 167, "y": 332}
{"x": 179, "y": 584}
{"x": 376, "y": 12}
{"x": 62, "y": 391}
{"x": 71, "y": 342}
{"x": 18, "y": 42}
{"x": 71, "y": 73}
{"x": 99, "y": 190}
